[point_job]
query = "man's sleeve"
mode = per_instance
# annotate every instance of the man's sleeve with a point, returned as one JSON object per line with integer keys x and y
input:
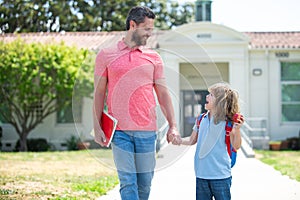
{"x": 159, "y": 68}
{"x": 101, "y": 64}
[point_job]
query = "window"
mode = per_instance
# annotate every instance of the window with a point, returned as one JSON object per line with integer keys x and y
{"x": 290, "y": 95}
{"x": 5, "y": 112}
{"x": 4, "y": 107}
{"x": 207, "y": 11}
{"x": 37, "y": 109}
{"x": 70, "y": 114}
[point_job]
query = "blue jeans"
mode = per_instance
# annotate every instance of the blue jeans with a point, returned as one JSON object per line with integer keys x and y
{"x": 134, "y": 156}
{"x": 217, "y": 188}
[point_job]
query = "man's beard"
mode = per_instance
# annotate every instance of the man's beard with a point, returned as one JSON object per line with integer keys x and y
{"x": 138, "y": 39}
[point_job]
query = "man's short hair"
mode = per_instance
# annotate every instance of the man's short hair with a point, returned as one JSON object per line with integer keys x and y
{"x": 138, "y": 14}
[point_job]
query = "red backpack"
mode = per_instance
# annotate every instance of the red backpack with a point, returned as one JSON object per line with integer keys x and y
{"x": 231, "y": 151}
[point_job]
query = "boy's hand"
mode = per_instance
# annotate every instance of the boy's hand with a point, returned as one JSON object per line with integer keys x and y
{"x": 173, "y": 136}
{"x": 238, "y": 120}
{"x": 177, "y": 140}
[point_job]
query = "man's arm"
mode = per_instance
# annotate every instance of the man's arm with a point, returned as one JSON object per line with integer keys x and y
{"x": 166, "y": 105}
{"x": 100, "y": 84}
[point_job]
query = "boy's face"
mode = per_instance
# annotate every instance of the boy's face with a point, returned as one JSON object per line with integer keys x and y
{"x": 142, "y": 32}
{"x": 210, "y": 101}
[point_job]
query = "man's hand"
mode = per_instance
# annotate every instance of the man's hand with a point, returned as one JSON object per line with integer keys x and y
{"x": 99, "y": 136}
{"x": 173, "y": 136}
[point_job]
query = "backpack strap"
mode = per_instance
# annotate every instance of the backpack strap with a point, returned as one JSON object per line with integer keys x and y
{"x": 228, "y": 129}
{"x": 199, "y": 119}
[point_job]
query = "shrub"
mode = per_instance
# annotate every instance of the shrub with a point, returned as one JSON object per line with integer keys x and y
{"x": 35, "y": 145}
{"x": 72, "y": 143}
{"x": 294, "y": 143}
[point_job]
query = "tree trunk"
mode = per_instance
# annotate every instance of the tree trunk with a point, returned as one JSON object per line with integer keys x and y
{"x": 23, "y": 142}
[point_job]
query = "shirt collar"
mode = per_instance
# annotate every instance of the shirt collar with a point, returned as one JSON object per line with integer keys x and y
{"x": 122, "y": 46}
{"x": 206, "y": 114}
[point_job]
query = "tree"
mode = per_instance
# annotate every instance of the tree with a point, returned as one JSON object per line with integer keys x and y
{"x": 37, "y": 80}
{"x": 39, "y": 15}
{"x": 85, "y": 15}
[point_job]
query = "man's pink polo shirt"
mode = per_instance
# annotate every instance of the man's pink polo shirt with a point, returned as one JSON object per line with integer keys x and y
{"x": 131, "y": 75}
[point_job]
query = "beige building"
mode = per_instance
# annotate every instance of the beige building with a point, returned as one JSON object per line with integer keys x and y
{"x": 263, "y": 66}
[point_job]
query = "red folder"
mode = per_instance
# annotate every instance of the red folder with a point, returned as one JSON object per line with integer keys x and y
{"x": 108, "y": 125}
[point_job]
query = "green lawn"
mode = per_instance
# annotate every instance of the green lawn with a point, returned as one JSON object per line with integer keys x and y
{"x": 287, "y": 162}
{"x": 87, "y": 174}
{"x": 68, "y": 175}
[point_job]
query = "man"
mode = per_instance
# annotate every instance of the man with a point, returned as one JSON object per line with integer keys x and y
{"x": 130, "y": 73}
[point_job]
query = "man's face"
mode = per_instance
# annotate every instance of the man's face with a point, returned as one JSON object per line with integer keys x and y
{"x": 142, "y": 32}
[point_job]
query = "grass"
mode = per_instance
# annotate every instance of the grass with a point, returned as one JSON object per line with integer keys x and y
{"x": 71, "y": 175}
{"x": 287, "y": 162}
{"x": 56, "y": 175}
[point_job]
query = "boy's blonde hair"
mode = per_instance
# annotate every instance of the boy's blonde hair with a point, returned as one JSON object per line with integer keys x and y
{"x": 226, "y": 102}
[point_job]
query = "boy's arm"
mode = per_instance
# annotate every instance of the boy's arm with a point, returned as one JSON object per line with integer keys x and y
{"x": 235, "y": 134}
{"x": 235, "y": 138}
{"x": 190, "y": 140}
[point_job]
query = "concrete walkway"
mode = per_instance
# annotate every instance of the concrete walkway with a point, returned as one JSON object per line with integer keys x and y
{"x": 174, "y": 179}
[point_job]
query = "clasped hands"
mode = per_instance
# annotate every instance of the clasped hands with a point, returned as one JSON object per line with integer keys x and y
{"x": 173, "y": 136}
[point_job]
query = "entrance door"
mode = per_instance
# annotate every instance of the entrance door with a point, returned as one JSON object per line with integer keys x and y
{"x": 193, "y": 105}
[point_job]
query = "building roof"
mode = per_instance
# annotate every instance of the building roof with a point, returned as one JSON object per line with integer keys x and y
{"x": 274, "y": 40}
{"x": 88, "y": 40}
{"x": 93, "y": 40}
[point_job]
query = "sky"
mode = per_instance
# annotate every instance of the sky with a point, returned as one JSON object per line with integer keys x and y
{"x": 256, "y": 15}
